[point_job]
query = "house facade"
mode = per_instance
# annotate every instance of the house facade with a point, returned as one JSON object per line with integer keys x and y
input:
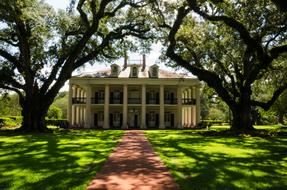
{"x": 133, "y": 96}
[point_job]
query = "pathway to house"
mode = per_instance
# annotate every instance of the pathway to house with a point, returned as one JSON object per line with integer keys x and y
{"x": 133, "y": 166}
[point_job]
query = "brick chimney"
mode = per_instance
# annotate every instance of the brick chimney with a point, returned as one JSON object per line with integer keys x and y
{"x": 144, "y": 63}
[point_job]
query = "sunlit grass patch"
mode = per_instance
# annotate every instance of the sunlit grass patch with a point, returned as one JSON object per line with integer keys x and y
{"x": 221, "y": 162}
{"x": 63, "y": 160}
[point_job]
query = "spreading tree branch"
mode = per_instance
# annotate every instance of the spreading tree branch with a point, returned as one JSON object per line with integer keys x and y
{"x": 211, "y": 78}
{"x": 269, "y": 103}
{"x": 277, "y": 51}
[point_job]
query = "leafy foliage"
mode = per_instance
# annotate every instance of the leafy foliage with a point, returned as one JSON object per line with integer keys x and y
{"x": 61, "y": 101}
{"x": 54, "y": 112}
{"x": 230, "y": 45}
{"x": 40, "y": 48}
{"x": 9, "y": 105}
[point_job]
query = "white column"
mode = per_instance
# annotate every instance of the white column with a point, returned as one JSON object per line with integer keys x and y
{"x": 70, "y": 104}
{"x": 193, "y": 107}
{"x": 143, "y": 112}
{"x": 179, "y": 108}
{"x": 185, "y": 108}
{"x": 106, "y": 107}
{"x": 125, "y": 106}
{"x": 82, "y": 108}
{"x": 189, "y": 107}
{"x": 197, "y": 94}
{"x": 78, "y": 107}
{"x": 74, "y": 89}
{"x": 161, "y": 107}
{"x": 88, "y": 107}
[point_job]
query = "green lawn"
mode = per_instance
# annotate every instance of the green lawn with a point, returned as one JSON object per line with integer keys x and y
{"x": 219, "y": 162}
{"x": 63, "y": 160}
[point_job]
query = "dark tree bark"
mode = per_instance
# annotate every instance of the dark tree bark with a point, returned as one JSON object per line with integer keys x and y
{"x": 256, "y": 59}
{"x": 86, "y": 39}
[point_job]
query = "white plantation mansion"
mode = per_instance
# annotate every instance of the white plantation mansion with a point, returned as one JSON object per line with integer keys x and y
{"x": 133, "y": 96}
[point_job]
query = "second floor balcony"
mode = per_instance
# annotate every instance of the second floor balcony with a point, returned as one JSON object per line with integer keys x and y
{"x": 79, "y": 100}
{"x": 134, "y": 100}
{"x": 170, "y": 101}
{"x": 188, "y": 101}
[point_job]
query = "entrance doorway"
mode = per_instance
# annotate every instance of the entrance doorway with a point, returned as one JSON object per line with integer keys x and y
{"x": 133, "y": 121}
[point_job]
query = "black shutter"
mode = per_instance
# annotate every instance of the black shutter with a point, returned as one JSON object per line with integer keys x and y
{"x": 156, "y": 120}
{"x": 111, "y": 120}
{"x": 172, "y": 98}
{"x": 121, "y": 98}
{"x": 147, "y": 97}
{"x": 95, "y": 120}
{"x": 146, "y": 119}
{"x": 111, "y": 98}
{"x": 96, "y": 97}
{"x": 172, "y": 120}
{"x": 121, "y": 120}
{"x": 157, "y": 98}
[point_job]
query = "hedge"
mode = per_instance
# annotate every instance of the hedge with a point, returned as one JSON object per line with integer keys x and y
{"x": 10, "y": 121}
{"x": 62, "y": 123}
{"x": 213, "y": 122}
{"x": 17, "y": 120}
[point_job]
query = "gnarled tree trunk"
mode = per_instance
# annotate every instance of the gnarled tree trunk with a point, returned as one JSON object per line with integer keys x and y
{"x": 242, "y": 113}
{"x": 34, "y": 110}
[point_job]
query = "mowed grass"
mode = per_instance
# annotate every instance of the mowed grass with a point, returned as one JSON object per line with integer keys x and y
{"x": 63, "y": 160}
{"x": 199, "y": 161}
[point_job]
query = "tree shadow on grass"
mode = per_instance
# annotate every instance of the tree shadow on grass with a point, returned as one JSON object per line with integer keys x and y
{"x": 54, "y": 161}
{"x": 202, "y": 162}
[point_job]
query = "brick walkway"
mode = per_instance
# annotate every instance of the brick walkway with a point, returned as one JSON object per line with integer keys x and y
{"x": 133, "y": 166}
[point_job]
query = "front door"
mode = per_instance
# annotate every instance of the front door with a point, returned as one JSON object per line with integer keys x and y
{"x": 133, "y": 120}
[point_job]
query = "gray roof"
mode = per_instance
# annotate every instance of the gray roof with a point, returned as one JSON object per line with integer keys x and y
{"x": 125, "y": 73}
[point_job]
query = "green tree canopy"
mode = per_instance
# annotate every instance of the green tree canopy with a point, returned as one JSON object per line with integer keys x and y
{"x": 40, "y": 48}
{"x": 54, "y": 112}
{"x": 231, "y": 45}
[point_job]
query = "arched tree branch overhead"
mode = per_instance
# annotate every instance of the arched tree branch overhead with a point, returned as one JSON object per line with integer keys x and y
{"x": 225, "y": 44}
{"x": 48, "y": 46}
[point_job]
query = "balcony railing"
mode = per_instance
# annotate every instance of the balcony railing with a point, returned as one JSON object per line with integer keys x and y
{"x": 185, "y": 101}
{"x": 170, "y": 101}
{"x": 152, "y": 101}
{"x": 97, "y": 101}
{"x": 188, "y": 101}
{"x": 116, "y": 101}
{"x": 134, "y": 100}
{"x": 79, "y": 100}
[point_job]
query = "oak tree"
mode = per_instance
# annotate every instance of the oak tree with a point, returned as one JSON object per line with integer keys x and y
{"x": 40, "y": 48}
{"x": 230, "y": 45}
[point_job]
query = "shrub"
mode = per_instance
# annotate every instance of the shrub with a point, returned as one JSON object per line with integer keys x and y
{"x": 268, "y": 117}
{"x": 213, "y": 122}
{"x": 216, "y": 114}
{"x": 6, "y": 121}
{"x": 62, "y": 123}
{"x": 17, "y": 119}
{"x": 54, "y": 112}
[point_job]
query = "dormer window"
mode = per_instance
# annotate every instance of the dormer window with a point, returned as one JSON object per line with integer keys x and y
{"x": 134, "y": 71}
{"x": 153, "y": 71}
{"x": 115, "y": 70}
